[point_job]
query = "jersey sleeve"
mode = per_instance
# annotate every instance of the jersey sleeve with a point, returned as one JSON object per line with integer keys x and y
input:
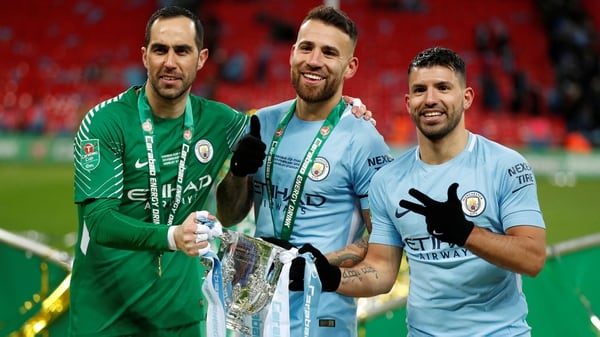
{"x": 110, "y": 228}
{"x": 370, "y": 153}
{"x": 98, "y": 159}
{"x": 98, "y": 156}
{"x": 237, "y": 124}
{"x": 519, "y": 203}
{"x": 383, "y": 232}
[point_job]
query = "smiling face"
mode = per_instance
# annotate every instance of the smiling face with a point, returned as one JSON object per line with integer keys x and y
{"x": 437, "y": 100}
{"x": 321, "y": 59}
{"x": 172, "y": 58}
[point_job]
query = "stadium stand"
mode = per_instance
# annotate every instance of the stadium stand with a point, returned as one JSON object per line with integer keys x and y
{"x": 70, "y": 54}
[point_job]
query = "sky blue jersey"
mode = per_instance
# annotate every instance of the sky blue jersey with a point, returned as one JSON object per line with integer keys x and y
{"x": 329, "y": 216}
{"x": 452, "y": 291}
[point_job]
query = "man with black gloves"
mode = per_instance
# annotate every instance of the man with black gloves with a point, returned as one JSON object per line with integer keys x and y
{"x": 312, "y": 190}
{"x": 466, "y": 254}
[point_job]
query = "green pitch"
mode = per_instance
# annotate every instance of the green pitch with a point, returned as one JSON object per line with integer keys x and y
{"x": 39, "y": 197}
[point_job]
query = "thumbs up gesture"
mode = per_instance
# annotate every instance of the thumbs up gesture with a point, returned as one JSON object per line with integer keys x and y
{"x": 250, "y": 151}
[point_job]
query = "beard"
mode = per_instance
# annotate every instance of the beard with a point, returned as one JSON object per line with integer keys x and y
{"x": 314, "y": 94}
{"x": 170, "y": 92}
{"x": 437, "y": 133}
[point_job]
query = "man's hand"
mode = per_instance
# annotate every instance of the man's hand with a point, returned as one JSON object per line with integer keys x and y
{"x": 184, "y": 237}
{"x": 445, "y": 220}
{"x": 250, "y": 152}
{"x": 191, "y": 237}
{"x": 359, "y": 110}
{"x": 329, "y": 275}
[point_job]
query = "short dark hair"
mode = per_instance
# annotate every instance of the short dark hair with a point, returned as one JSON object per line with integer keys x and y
{"x": 438, "y": 56}
{"x": 173, "y": 12}
{"x": 334, "y": 17}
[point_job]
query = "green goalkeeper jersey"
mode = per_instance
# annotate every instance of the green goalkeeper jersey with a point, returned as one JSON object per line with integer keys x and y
{"x": 131, "y": 176}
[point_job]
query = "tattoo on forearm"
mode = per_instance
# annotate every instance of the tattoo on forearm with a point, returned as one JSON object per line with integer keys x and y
{"x": 351, "y": 255}
{"x": 353, "y": 274}
{"x": 350, "y": 274}
{"x": 369, "y": 270}
{"x": 362, "y": 243}
{"x": 346, "y": 260}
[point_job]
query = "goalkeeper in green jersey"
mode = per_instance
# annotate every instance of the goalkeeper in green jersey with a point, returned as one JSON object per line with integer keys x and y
{"x": 145, "y": 162}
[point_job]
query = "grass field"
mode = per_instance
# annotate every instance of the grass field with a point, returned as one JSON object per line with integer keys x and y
{"x": 39, "y": 197}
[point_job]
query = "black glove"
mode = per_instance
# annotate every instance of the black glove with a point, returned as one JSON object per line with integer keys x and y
{"x": 445, "y": 220}
{"x": 329, "y": 275}
{"x": 250, "y": 151}
{"x": 279, "y": 242}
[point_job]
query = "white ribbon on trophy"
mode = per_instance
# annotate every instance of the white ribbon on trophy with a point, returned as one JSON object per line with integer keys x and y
{"x": 279, "y": 325}
{"x": 212, "y": 288}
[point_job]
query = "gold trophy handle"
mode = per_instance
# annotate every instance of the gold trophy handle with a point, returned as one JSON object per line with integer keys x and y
{"x": 52, "y": 307}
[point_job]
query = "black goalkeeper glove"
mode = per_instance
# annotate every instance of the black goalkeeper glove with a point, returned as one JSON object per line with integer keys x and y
{"x": 445, "y": 220}
{"x": 329, "y": 275}
{"x": 250, "y": 151}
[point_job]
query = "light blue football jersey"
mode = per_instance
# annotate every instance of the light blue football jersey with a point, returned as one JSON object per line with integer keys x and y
{"x": 329, "y": 216}
{"x": 452, "y": 291}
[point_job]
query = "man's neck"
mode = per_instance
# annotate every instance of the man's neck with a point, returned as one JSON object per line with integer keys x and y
{"x": 442, "y": 150}
{"x": 166, "y": 108}
{"x": 315, "y": 111}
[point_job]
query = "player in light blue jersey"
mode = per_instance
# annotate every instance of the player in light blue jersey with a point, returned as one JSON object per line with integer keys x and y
{"x": 462, "y": 208}
{"x": 313, "y": 186}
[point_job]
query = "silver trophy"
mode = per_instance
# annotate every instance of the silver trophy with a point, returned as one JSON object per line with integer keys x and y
{"x": 251, "y": 269}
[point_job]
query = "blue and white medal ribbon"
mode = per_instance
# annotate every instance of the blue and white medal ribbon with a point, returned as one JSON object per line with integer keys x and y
{"x": 279, "y": 324}
{"x": 312, "y": 293}
{"x": 212, "y": 288}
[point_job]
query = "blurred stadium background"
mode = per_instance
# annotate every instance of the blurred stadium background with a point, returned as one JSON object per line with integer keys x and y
{"x": 534, "y": 64}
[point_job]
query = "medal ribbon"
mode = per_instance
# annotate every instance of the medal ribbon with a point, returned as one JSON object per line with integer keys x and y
{"x": 212, "y": 287}
{"x": 277, "y": 320}
{"x": 312, "y": 293}
{"x": 304, "y": 169}
{"x": 146, "y": 119}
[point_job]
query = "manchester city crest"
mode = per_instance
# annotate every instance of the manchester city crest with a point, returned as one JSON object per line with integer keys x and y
{"x": 204, "y": 151}
{"x": 473, "y": 203}
{"x": 319, "y": 170}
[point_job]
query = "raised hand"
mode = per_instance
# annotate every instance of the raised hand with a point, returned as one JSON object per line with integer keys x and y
{"x": 329, "y": 275}
{"x": 250, "y": 152}
{"x": 445, "y": 220}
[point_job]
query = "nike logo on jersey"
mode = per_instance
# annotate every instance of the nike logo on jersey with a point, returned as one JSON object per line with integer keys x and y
{"x": 401, "y": 214}
{"x": 139, "y": 165}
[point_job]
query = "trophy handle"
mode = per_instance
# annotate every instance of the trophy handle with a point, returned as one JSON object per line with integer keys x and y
{"x": 57, "y": 302}
{"x": 52, "y": 307}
